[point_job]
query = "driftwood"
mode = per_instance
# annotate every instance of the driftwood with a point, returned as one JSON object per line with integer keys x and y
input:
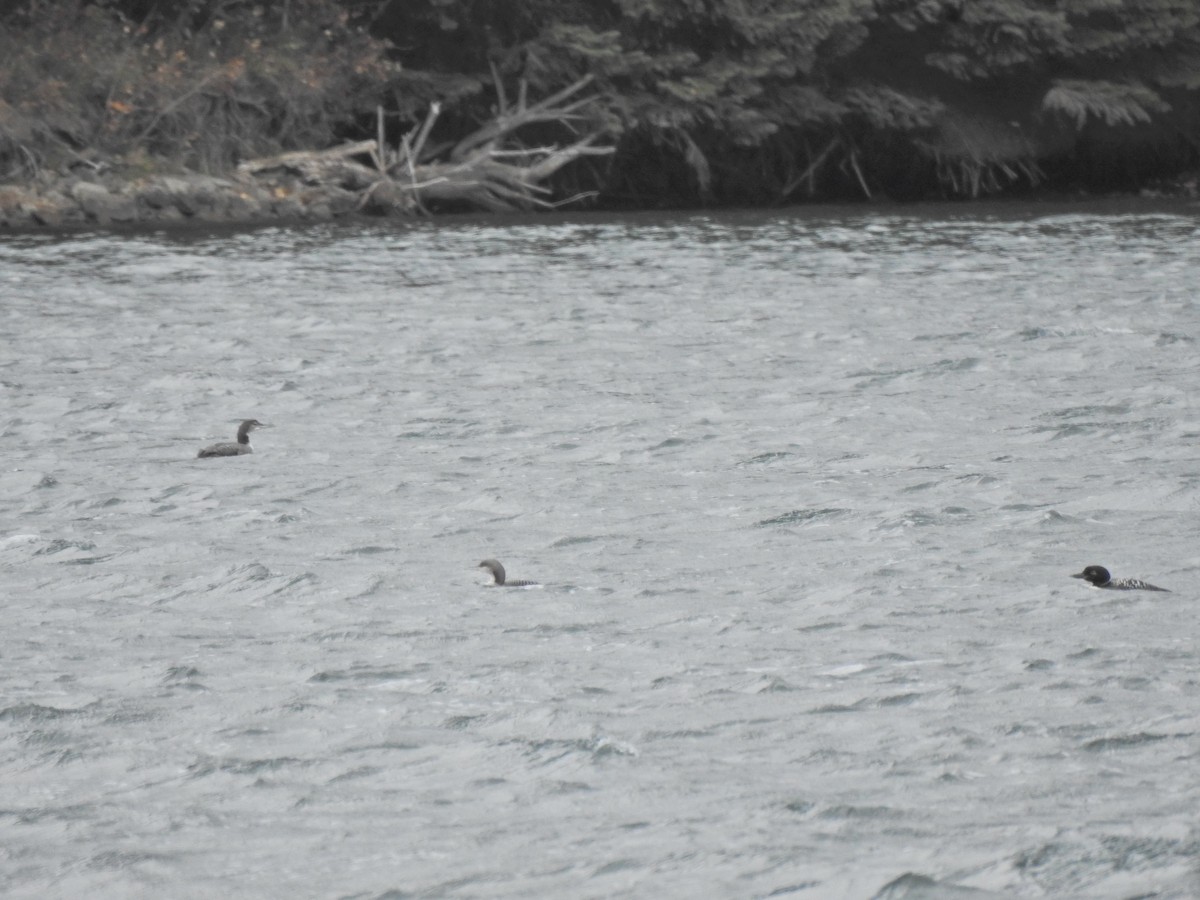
{"x": 320, "y": 167}
{"x": 489, "y": 169}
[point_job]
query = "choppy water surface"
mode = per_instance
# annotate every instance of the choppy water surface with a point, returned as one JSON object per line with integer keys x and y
{"x": 804, "y": 492}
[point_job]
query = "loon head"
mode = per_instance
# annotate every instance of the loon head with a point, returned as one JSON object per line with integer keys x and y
{"x": 247, "y": 426}
{"x": 493, "y": 566}
{"x": 1097, "y": 575}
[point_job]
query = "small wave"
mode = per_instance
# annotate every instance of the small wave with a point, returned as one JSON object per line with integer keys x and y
{"x": 1070, "y": 865}
{"x": 1094, "y": 409}
{"x": 821, "y": 626}
{"x": 356, "y": 634}
{"x": 122, "y": 859}
{"x": 17, "y": 540}
{"x": 371, "y": 550}
{"x": 251, "y": 572}
{"x": 597, "y": 748}
{"x": 977, "y": 478}
{"x": 254, "y": 576}
{"x": 919, "y": 487}
{"x": 861, "y": 812}
{"x": 679, "y": 734}
{"x": 914, "y": 518}
{"x": 355, "y": 773}
{"x": 965, "y": 364}
{"x": 668, "y": 444}
{"x": 208, "y": 765}
{"x": 576, "y": 539}
{"x": 463, "y": 722}
{"x": 766, "y": 458}
{"x": 802, "y": 517}
{"x": 1123, "y": 741}
{"x": 1033, "y": 334}
{"x": 1166, "y": 338}
{"x": 799, "y": 806}
{"x": 35, "y": 712}
{"x": 618, "y": 865}
{"x": 837, "y": 708}
{"x": 892, "y": 658}
{"x": 369, "y": 674}
{"x": 911, "y": 886}
{"x": 1053, "y": 517}
{"x": 59, "y": 545}
{"x": 898, "y": 700}
{"x": 774, "y": 685}
{"x": 88, "y": 560}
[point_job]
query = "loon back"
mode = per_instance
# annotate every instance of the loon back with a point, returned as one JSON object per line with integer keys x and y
{"x": 227, "y": 449}
{"x": 1098, "y": 576}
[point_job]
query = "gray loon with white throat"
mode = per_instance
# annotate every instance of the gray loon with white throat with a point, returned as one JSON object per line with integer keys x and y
{"x": 233, "y": 449}
{"x": 1098, "y": 576}
{"x": 498, "y": 576}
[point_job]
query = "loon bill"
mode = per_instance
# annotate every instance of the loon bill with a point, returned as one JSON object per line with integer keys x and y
{"x": 233, "y": 449}
{"x": 1098, "y": 576}
{"x": 497, "y": 570}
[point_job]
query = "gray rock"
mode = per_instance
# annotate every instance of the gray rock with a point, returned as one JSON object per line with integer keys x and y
{"x": 101, "y": 204}
{"x": 341, "y": 202}
{"x": 287, "y": 208}
{"x": 160, "y": 193}
{"x": 388, "y": 199}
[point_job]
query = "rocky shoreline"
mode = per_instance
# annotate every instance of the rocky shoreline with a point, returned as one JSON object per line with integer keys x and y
{"x": 91, "y": 200}
{"x": 365, "y": 177}
{"x": 94, "y": 200}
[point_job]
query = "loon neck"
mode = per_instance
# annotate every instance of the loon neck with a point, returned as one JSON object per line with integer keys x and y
{"x": 248, "y": 425}
{"x": 497, "y": 570}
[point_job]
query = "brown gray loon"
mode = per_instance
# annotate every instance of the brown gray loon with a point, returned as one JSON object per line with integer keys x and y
{"x": 497, "y": 570}
{"x": 232, "y": 449}
{"x": 1098, "y": 576}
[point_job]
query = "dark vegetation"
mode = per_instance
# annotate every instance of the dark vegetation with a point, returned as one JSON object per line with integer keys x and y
{"x": 704, "y": 101}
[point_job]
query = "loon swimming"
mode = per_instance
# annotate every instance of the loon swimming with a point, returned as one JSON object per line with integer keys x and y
{"x": 1098, "y": 576}
{"x": 497, "y": 570}
{"x": 230, "y": 449}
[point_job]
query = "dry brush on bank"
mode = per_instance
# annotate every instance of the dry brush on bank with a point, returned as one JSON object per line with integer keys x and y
{"x": 83, "y": 87}
{"x": 105, "y": 119}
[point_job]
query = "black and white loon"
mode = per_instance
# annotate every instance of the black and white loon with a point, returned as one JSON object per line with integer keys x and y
{"x": 231, "y": 449}
{"x": 497, "y": 570}
{"x": 1098, "y": 576}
